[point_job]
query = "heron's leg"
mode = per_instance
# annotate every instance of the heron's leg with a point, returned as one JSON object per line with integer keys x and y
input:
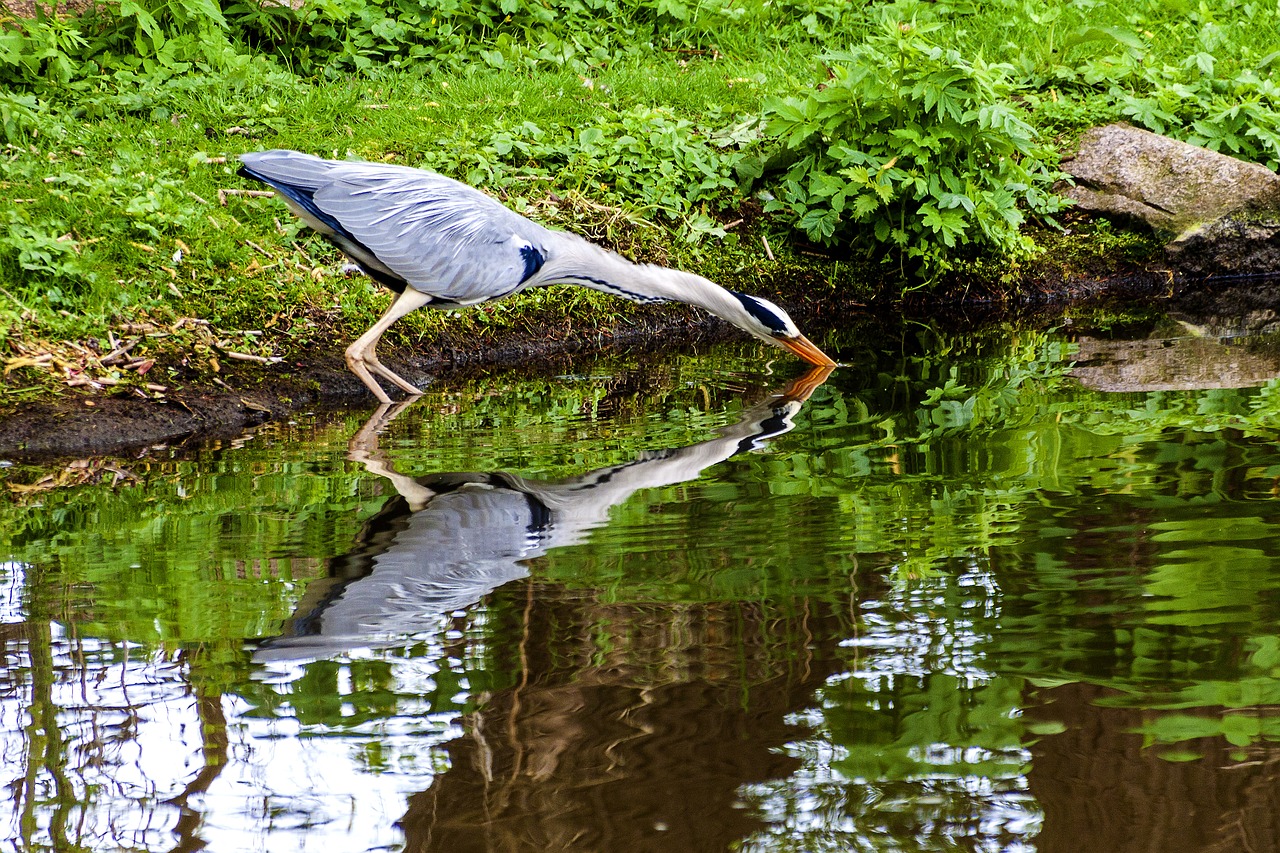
{"x": 371, "y": 361}
{"x": 360, "y": 355}
{"x": 363, "y": 448}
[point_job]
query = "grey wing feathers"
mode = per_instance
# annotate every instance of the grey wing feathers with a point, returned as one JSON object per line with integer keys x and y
{"x": 290, "y": 167}
{"x": 441, "y": 236}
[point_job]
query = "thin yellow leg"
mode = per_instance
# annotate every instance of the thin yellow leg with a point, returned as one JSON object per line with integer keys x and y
{"x": 361, "y": 356}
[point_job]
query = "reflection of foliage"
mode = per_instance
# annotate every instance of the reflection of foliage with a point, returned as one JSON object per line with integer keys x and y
{"x": 1241, "y": 711}
{"x": 888, "y": 728}
{"x": 925, "y": 764}
{"x": 980, "y": 522}
{"x": 1254, "y": 412}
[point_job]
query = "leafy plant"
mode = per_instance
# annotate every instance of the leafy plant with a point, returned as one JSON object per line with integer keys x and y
{"x": 645, "y": 159}
{"x": 1212, "y": 84}
{"x": 1238, "y": 116}
{"x": 915, "y": 141}
{"x": 330, "y": 38}
{"x": 44, "y": 45}
{"x": 19, "y": 116}
{"x": 44, "y": 251}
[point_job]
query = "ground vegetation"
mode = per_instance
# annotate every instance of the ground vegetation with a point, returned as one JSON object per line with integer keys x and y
{"x": 890, "y": 149}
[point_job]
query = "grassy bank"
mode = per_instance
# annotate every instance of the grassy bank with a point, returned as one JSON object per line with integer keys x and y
{"x": 889, "y": 148}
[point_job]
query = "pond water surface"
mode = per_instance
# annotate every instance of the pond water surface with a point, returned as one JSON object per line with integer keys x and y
{"x": 1003, "y": 589}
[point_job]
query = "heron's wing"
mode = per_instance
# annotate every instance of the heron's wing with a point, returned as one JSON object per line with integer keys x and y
{"x": 441, "y": 236}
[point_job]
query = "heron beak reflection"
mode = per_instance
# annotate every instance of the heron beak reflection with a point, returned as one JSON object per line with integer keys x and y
{"x": 801, "y": 388}
{"x": 805, "y": 349}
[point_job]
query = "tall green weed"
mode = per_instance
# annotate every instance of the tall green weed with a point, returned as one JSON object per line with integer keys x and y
{"x": 910, "y": 150}
{"x": 19, "y": 117}
{"x": 1197, "y": 71}
{"x": 647, "y": 160}
{"x": 1239, "y": 115}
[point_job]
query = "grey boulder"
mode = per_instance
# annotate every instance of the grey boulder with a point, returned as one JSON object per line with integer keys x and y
{"x": 1220, "y": 214}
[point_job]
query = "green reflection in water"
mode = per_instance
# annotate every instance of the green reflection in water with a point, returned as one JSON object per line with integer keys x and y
{"x": 959, "y": 602}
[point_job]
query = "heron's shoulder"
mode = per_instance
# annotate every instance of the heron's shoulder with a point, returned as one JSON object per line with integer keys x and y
{"x": 446, "y": 198}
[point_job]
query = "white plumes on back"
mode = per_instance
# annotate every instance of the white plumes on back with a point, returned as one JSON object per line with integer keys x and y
{"x": 442, "y": 237}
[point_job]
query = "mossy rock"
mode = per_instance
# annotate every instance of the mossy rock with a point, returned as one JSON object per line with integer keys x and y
{"x": 1218, "y": 214}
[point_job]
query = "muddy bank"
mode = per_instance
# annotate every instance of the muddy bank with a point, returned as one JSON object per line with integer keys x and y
{"x": 80, "y": 424}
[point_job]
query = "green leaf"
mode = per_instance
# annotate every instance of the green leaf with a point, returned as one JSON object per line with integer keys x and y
{"x": 865, "y": 204}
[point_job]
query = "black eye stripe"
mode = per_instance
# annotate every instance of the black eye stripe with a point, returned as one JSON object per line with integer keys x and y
{"x": 767, "y": 317}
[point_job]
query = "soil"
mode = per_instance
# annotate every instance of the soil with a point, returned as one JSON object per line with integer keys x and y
{"x": 76, "y": 424}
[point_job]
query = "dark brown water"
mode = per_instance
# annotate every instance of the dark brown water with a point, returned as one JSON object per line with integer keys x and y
{"x": 1005, "y": 590}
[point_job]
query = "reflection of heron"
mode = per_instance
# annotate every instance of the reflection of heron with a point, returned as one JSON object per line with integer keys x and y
{"x": 448, "y": 540}
{"x": 440, "y": 243}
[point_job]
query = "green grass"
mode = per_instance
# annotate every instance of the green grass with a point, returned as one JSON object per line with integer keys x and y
{"x": 145, "y": 184}
{"x": 646, "y": 135}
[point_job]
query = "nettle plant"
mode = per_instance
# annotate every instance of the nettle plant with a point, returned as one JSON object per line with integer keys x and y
{"x": 912, "y": 151}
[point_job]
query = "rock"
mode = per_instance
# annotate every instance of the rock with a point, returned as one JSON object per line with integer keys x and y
{"x": 1222, "y": 214}
{"x": 1237, "y": 243}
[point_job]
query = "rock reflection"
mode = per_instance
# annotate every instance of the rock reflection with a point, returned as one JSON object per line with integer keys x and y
{"x": 1229, "y": 339}
{"x": 1184, "y": 360}
{"x": 447, "y": 540}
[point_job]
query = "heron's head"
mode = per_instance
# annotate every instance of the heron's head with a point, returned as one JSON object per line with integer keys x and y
{"x": 771, "y": 324}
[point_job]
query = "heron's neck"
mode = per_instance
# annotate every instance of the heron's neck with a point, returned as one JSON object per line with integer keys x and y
{"x": 582, "y": 263}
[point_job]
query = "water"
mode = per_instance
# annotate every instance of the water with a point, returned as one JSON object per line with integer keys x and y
{"x": 994, "y": 590}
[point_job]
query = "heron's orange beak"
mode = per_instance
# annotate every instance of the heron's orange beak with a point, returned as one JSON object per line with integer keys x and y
{"x": 804, "y": 348}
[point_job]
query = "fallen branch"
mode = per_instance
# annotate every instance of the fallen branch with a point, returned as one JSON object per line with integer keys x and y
{"x": 222, "y": 194}
{"x": 254, "y": 245}
{"x": 260, "y": 359}
{"x": 117, "y": 353}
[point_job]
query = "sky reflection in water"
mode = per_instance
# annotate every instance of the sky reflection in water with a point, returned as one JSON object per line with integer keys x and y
{"x": 956, "y": 597}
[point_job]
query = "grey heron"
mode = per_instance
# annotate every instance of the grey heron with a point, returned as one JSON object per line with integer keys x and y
{"x": 447, "y": 540}
{"x": 440, "y": 243}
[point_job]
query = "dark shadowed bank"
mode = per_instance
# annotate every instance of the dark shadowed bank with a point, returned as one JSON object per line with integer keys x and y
{"x": 79, "y": 424}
